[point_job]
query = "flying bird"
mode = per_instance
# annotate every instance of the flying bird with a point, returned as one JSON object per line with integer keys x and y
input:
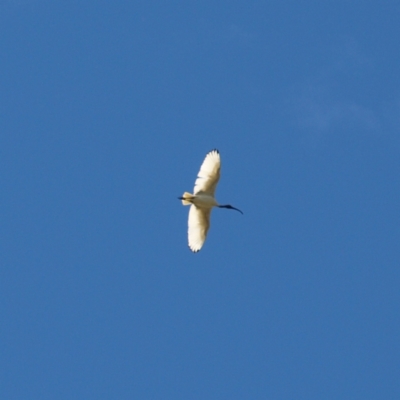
{"x": 202, "y": 200}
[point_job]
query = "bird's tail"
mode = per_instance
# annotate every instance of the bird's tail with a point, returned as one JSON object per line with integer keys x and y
{"x": 186, "y": 198}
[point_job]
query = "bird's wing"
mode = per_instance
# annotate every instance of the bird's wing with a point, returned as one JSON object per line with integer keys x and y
{"x": 198, "y": 224}
{"x": 208, "y": 176}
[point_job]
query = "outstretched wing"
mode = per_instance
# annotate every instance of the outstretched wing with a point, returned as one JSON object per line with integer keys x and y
{"x": 208, "y": 176}
{"x": 198, "y": 224}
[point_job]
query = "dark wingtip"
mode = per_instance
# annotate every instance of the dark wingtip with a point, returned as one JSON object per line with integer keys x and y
{"x": 193, "y": 251}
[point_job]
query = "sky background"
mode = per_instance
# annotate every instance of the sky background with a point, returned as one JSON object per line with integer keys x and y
{"x": 107, "y": 110}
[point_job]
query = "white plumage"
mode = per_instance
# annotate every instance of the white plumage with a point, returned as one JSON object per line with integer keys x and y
{"x": 209, "y": 173}
{"x": 202, "y": 200}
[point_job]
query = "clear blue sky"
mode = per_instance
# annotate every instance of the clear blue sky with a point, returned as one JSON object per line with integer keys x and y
{"x": 107, "y": 111}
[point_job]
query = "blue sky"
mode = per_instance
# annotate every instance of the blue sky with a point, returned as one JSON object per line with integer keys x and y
{"x": 107, "y": 111}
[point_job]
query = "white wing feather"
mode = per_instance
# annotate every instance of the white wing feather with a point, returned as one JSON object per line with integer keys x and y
{"x": 208, "y": 176}
{"x": 198, "y": 224}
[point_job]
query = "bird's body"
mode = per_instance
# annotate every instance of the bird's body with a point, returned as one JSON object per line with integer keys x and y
{"x": 202, "y": 200}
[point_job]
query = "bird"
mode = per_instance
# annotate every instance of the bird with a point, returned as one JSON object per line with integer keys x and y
{"x": 202, "y": 200}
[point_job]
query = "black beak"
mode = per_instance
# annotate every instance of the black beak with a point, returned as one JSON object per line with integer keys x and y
{"x": 231, "y": 208}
